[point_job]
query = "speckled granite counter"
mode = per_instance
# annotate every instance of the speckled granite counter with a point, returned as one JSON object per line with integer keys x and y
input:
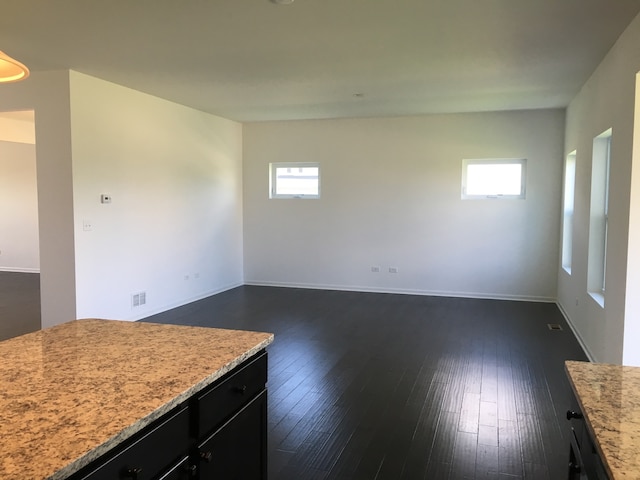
{"x": 72, "y": 392}
{"x": 609, "y": 397}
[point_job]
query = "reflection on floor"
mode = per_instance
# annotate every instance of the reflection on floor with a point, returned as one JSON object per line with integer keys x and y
{"x": 19, "y": 303}
{"x": 383, "y": 386}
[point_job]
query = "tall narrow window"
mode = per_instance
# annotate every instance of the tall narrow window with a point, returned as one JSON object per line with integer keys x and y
{"x": 599, "y": 218}
{"x": 294, "y": 180}
{"x": 568, "y": 202}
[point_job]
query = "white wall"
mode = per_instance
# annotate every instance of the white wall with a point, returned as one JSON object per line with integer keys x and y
{"x": 48, "y": 94}
{"x": 391, "y": 198}
{"x": 631, "y": 352}
{"x": 175, "y": 178}
{"x": 18, "y": 127}
{"x": 18, "y": 208}
{"x": 607, "y": 100}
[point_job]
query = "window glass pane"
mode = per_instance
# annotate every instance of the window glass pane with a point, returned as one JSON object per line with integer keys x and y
{"x": 297, "y": 181}
{"x": 493, "y": 178}
{"x": 567, "y": 222}
{"x": 598, "y": 216}
{"x": 294, "y": 180}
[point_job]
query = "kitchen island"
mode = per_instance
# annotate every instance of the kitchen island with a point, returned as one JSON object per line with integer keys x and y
{"x": 90, "y": 393}
{"x": 609, "y": 400}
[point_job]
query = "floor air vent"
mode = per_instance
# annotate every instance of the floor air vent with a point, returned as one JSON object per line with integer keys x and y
{"x": 554, "y": 326}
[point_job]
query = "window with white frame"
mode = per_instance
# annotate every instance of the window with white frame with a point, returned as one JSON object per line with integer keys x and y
{"x": 494, "y": 178}
{"x": 599, "y": 216}
{"x": 294, "y": 180}
{"x": 568, "y": 203}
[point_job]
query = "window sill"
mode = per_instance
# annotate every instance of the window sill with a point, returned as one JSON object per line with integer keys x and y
{"x": 598, "y": 297}
{"x": 294, "y": 197}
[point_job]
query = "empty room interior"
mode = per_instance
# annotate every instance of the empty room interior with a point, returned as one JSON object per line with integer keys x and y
{"x": 341, "y": 173}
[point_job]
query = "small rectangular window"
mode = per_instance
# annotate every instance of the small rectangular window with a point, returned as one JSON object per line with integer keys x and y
{"x": 494, "y": 178}
{"x": 294, "y": 180}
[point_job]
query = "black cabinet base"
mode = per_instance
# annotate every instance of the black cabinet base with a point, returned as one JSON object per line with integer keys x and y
{"x": 220, "y": 432}
{"x": 238, "y": 450}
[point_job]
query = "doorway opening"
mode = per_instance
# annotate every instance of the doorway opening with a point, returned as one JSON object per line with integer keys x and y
{"x": 20, "y": 310}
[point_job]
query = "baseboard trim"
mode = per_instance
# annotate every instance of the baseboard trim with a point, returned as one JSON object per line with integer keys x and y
{"x": 435, "y": 293}
{"x": 432, "y": 293}
{"x": 576, "y": 334}
{"x": 19, "y": 270}
{"x": 181, "y": 303}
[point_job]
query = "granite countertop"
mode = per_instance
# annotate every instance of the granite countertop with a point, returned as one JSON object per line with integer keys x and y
{"x": 72, "y": 392}
{"x": 609, "y": 397}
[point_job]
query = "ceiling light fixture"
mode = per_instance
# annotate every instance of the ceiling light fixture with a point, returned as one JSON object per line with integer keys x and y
{"x": 11, "y": 70}
{"x": 282, "y": 2}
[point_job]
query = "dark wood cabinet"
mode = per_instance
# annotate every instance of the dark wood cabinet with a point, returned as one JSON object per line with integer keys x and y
{"x": 219, "y": 402}
{"x": 584, "y": 460}
{"x": 183, "y": 470}
{"x": 219, "y": 433}
{"x": 148, "y": 454}
{"x": 236, "y": 450}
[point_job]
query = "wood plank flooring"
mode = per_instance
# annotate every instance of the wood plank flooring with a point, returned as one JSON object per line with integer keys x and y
{"x": 19, "y": 304}
{"x": 382, "y": 386}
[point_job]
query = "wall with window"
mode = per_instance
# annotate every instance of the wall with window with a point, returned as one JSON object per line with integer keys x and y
{"x": 391, "y": 217}
{"x": 609, "y": 329}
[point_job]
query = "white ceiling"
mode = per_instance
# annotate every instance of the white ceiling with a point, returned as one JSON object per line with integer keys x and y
{"x": 252, "y": 60}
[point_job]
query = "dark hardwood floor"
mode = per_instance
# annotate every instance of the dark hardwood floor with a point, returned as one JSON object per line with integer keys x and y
{"x": 383, "y": 386}
{"x": 19, "y": 304}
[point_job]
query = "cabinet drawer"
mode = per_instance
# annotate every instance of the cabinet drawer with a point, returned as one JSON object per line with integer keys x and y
{"x": 229, "y": 396}
{"x": 146, "y": 457}
{"x": 238, "y": 449}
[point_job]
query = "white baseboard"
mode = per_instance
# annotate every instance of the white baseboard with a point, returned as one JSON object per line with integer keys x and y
{"x": 582, "y": 343}
{"x": 164, "y": 308}
{"x": 433, "y": 293}
{"x": 19, "y": 270}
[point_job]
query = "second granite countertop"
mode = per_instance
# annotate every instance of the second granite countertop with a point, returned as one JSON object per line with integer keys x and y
{"x": 70, "y": 393}
{"x": 609, "y": 397}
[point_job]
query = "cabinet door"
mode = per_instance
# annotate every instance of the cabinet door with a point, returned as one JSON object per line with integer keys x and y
{"x": 238, "y": 449}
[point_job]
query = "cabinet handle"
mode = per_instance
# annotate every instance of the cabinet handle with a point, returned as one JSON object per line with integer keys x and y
{"x": 206, "y": 456}
{"x": 571, "y": 414}
{"x": 192, "y": 470}
{"x": 241, "y": 390}
{"x": 133, "y": 473}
